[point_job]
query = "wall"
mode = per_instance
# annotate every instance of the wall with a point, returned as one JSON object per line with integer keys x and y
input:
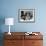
{"x": 9, "y": 8}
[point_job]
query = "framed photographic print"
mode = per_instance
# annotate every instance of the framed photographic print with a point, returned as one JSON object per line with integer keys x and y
{"x": 26, "y": 15}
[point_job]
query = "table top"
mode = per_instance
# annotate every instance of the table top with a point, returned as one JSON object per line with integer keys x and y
{"x": 22, "y": 35}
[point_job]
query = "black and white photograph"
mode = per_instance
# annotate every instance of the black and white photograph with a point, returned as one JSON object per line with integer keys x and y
{"x": 26, "y": 15}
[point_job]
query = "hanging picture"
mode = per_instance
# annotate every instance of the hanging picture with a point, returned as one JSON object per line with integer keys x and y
{"x": 26, "y": 15}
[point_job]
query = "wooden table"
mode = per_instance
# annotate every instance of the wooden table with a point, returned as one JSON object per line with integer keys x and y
{"x": 20, "y": 39}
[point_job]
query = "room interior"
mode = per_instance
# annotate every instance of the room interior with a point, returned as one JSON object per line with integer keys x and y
{"x": 10, "y": 9}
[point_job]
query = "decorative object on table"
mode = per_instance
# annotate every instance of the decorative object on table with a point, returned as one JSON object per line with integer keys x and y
{"x": 26, "y": 15}
{"x": 9, "y": 21}
{"x": 30, "y": 33}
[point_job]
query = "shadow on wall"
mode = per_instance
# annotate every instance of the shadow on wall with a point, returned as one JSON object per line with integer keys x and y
{"x": 2, "y": 21}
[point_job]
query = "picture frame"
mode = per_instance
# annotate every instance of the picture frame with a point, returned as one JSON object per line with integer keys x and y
{"x": 26, "y": 15}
